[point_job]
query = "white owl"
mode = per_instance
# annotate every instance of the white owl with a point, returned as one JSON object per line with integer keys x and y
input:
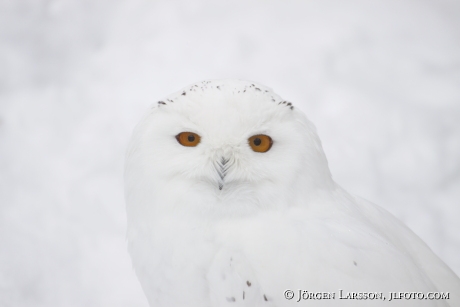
{"x": 230, "y": 202}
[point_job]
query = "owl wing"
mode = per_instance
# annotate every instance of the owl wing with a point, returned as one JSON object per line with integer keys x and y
{"x": 442, "y": 277}
{"x": 364, "y": 249}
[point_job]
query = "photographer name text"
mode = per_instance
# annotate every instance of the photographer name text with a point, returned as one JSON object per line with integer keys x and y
{"x": 303, "y": 295}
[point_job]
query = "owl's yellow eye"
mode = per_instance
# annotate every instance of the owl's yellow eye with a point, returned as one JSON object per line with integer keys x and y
{"x": 260, "y": 142}
{"x": 188, "y": 139}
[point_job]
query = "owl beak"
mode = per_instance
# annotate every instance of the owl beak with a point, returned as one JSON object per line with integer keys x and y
{"x": 222, "y": 171}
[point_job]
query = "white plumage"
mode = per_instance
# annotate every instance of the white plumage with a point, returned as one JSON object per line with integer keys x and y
{"x": 219, "y": 224}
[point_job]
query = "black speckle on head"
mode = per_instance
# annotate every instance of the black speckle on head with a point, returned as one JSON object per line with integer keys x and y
{"x": 288, "y": 104}
{"x": 265, "y": 298}
{"x": 354, "y": 262}
{"x": 257, "y": 89}
{"x": 248, "y": 283}
{"x": 231, "y": 299}
{"x": 273, "y": 100}
{"x": 184, "y": 93}
{"x": 161, "y": 102}
{"x": 244, "y": 294}
{"x": 218, "y": 87}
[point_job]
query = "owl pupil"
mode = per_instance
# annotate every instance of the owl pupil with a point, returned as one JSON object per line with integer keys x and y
{"x": 257, "y": 141}
{"x": 191, "y": 138}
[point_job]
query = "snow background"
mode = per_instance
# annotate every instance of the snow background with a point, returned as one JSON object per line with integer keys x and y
{"x": 380, "y": 79}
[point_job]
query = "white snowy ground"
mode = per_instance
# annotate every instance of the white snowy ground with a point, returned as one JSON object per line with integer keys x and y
{"x": 380, "y": 79}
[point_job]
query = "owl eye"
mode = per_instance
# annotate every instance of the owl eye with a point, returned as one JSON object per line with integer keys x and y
{"x": 188, "y": 139}
{"x": 260, "y": 142}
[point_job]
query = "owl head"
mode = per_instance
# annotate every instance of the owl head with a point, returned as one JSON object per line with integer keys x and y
{"x": 224, "y": 148}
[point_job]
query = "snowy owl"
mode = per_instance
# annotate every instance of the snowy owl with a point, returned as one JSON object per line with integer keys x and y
{"x": 230, "y": 202}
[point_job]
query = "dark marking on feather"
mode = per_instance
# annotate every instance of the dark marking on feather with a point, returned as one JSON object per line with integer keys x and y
{"x": 354, "y": 262}
{"x": 248, "y": 283}
{"x": 265, "y": 298}
{"x": 231, "y": 299}
{"x": 288, "y": 104}
{"x": 244, "y": 294}
{"x": 184, "y": 93}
